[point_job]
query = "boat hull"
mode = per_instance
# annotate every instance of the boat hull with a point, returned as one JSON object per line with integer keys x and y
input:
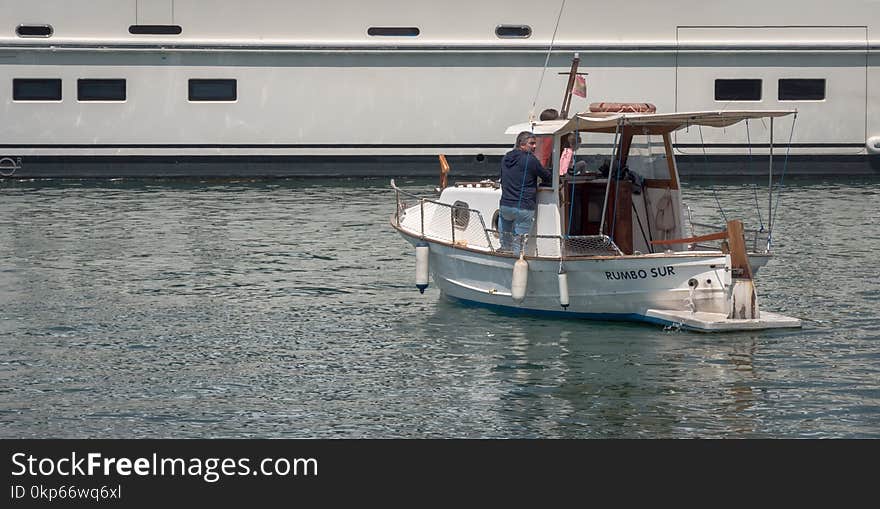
{"x": 601, "y": 287}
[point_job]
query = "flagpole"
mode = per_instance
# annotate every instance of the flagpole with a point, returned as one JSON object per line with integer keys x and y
{"x": 566, "y": 99}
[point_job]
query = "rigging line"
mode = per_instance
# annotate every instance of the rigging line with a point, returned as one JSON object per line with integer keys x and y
{"x": 706, "y": 162}
{"x": 754, "y": 185}
{"x": 782, "y": 176}
{"x": 617, "y": 184}
{"x": 644, "y": 237}
{"x": 573, "y": 175}
{"x": 546, "y": 61}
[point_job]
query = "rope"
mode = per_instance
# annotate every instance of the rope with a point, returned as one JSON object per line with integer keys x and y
{"x": 546, "y": 61}
{"x": 706, "y": 162}
{"x": 781, "y": 179}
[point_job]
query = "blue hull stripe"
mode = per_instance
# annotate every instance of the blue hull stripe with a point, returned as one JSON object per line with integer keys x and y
{"x": 616, "y": 317}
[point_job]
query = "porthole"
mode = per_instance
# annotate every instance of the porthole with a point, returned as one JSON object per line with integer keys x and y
{"x": 513, "y": 31}
{"x": 461, "y": 214}
{"x": 34, "y": 30}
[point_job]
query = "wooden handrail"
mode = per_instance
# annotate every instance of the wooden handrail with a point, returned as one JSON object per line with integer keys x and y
{"x": 739, "y": 258}
{"x": 691, "y": 240}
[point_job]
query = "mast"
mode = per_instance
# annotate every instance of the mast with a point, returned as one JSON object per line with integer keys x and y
{"x": 566, "y": 99}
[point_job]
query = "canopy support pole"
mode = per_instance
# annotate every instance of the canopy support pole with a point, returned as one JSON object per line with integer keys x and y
{"x": 610, "y": 180}
{"x": 770, "y": 190}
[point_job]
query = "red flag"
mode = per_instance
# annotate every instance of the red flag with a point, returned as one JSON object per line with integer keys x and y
{"x": 580, "y": 87}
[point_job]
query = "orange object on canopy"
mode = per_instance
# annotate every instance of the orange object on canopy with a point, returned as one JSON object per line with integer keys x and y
{"x": 622, "y": 108}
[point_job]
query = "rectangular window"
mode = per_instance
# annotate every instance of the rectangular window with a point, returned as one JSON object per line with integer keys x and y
{"x": 37, "y": 89}
{"x": 738, "y": 90}
{"x": 155, "y": 30}
{"x": 801, "y": 90}
{"x": 100, "y": 90}
{"x": 393, "y": 31}
{"x": 213, "y": 90}
{"x": 513, "y": 31}
{"x": 34, "y": 30}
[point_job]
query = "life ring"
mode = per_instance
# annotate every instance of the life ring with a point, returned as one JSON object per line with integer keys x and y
{"x": 622, "y": 108}
{"x": 9, "y": 164}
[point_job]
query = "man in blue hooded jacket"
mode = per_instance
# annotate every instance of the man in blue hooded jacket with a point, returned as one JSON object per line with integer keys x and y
{"x": 520, "y": 170}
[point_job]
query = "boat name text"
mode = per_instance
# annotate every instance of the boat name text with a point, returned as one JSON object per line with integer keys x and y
{"x": 655, "y": 272}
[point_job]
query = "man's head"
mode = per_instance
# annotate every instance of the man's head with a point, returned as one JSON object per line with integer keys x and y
{"x": 526, "y": 141}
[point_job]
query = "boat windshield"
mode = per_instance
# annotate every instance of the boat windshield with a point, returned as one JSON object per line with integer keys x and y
{"x": 647, "y": 157}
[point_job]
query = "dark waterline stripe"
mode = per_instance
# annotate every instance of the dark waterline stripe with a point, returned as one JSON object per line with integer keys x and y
{"x": 389, "y": 145}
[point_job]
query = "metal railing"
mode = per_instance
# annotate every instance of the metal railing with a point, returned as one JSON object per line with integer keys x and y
{"x": 465, "y": 227}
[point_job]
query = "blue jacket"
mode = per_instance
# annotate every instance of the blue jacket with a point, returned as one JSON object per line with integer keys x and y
{"x": 513, "y": 166}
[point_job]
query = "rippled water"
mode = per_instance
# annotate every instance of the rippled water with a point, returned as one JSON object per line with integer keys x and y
{"x": 287, "y": 309}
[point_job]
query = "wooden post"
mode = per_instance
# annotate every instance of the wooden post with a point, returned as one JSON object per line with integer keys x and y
{"x": 444, "y": 171}
{"x": 739, "y": 258}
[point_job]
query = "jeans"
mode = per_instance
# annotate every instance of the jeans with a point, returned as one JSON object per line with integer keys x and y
{"x": 513, "y": 221}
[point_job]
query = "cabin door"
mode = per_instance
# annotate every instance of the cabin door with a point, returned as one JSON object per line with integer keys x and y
{"x": 155, "y": 12}
{"x": 583, "y": 208}
{"x": 819, "y": 71}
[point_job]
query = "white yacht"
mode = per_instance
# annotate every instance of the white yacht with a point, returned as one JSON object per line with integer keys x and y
{"x": 286, "y": 87}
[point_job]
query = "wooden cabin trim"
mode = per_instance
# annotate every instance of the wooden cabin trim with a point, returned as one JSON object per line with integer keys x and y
{"x": 670, "y": 161}
{"x": 659, "y": 183}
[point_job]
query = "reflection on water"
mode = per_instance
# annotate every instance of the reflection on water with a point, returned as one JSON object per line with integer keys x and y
{"x": 286, "y": 308}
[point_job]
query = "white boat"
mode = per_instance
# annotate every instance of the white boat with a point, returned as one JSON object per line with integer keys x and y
{"x": 271, "y": 87}
{"x": 606, "y": 248}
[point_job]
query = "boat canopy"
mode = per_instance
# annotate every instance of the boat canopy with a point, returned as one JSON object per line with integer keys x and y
{"x": 656, "y": 123}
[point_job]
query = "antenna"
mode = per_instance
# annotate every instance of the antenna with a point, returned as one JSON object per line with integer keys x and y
{"x": 546, "y": 61}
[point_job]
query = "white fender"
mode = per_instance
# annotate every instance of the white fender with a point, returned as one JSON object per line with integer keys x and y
{"x": 563, "y": 289}
{"x": 422, "y": 255}
{"x": 520, "y": 280}
{"x": 873, "y": 145}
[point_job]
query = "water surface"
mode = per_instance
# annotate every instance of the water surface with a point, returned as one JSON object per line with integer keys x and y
{"x": 286, "y": 309}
